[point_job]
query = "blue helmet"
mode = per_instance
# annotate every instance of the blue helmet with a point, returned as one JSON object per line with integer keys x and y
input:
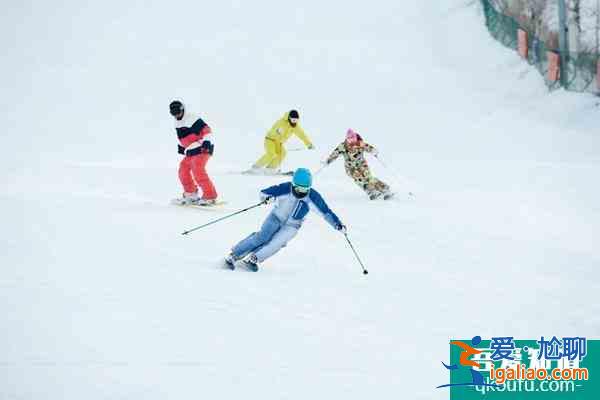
{"x": 302, "y": 178}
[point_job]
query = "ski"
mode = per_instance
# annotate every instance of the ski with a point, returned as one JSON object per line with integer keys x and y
{"x": 217, "y": 205}
{"x": 260, "y": 173}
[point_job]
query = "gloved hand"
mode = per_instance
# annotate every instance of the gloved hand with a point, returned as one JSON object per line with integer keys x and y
{"x": 269, "y": 199}
{"x": 342, "y": 228}
{"x": 325, "y": 162}
{"x": 207, "y": 147}
{"x": 311, "y": 146}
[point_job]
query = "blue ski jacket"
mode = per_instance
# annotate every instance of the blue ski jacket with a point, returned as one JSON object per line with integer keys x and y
{"x": 292, "y": 210}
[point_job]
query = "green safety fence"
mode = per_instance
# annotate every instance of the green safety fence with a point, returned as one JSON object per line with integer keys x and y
{"x": 581, "y": 68}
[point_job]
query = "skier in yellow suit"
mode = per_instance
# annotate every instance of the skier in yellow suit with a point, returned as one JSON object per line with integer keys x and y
{"x": 276, "y": 137}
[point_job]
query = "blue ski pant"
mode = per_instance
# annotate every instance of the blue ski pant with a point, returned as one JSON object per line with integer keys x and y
{"x": 272, "y": 237}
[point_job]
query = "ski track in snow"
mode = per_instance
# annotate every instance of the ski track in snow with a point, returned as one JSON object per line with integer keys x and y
{"x": 103, "y": 297}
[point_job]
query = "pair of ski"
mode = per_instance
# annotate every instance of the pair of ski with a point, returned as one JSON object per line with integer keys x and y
{"x": 255, "y": 172}
{"x": 218, "y": 204}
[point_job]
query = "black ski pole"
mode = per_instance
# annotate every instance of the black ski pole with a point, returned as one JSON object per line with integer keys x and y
{"x": 356, "y": 254}
{"x": 225, "y": 217}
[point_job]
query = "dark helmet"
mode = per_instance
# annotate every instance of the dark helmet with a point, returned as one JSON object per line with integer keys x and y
{"x": 176, "y": 107}
{"x": 294, "y": 114}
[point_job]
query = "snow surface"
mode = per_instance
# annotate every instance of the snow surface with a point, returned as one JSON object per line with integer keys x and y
{"x": 102, "y": 298}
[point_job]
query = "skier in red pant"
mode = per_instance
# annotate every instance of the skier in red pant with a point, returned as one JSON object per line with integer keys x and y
{"x": 197, "y": 149}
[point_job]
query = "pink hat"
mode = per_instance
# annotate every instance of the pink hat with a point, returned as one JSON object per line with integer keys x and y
{"x": 351, "y": 136}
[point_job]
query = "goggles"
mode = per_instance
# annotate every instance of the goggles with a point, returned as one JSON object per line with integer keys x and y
{"x": 302, "y": 189}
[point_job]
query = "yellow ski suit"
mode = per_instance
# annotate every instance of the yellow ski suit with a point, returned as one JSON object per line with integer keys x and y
{"x": 276, "y": 137}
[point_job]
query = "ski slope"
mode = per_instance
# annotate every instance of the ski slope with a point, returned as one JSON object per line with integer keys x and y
{"x": 102, "y": 298}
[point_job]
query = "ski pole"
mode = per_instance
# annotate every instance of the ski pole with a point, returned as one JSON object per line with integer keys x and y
{"x": 393, "y": 173}
{"x": 356, "y": 254}
{"x": 320, "y": 169}
{"x": 297, "y": 149}
{"x": 224, "y": 218}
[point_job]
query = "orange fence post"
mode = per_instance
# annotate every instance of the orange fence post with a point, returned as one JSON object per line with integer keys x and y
{"x": 523, "y": 45}
{"x": 553, "y": 66}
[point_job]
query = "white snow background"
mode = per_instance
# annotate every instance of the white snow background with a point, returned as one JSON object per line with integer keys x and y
{"x": 102, "y": 298}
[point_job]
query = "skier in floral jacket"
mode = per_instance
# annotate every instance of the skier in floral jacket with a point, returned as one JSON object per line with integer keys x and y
{"x": 353, "y": 149}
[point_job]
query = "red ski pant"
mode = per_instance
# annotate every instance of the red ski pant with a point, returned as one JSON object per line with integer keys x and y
{"x": 192, "y": 173}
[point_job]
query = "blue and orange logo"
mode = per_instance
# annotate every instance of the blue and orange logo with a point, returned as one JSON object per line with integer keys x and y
{"x": 468, "y": 351}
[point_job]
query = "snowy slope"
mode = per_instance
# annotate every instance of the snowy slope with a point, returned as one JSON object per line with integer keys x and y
{"x": 104, "y": 299}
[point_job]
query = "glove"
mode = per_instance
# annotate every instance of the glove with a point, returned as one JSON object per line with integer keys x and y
{"x": 207, "y": 147}
{"x": 325, "y": 162}
{"x": 269, "y": 199}
{"x": 311, "y": 146}
{"x": 342, "y": 228}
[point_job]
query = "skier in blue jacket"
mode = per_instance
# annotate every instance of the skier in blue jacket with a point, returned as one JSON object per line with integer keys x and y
{"x": 293, "y": 200}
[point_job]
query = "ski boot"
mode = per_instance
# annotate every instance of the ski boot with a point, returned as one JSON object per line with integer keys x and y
{"x": 374, "y": 195}
{"x": 205, "y": 202}
{"x": 251, "y": 263}
{"x": 271, "y": 171}
{"x": 187, "y": 199}
{"x": 388, "y": 194}
{"x": 230, "y": 261}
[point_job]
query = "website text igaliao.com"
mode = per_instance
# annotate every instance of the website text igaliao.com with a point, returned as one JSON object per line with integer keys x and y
{"x": 526, "y": 379}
